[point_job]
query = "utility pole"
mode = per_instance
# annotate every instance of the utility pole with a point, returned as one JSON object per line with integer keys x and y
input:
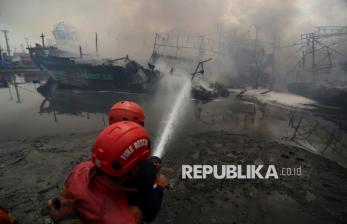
{"x": 96, "y": 44}
{"x": 7, "y": 44}
{"x": 43, "y": 40}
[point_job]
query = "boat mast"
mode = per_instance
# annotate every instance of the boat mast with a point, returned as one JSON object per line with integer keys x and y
{"x": 0, "y": 55}
{"x": 7, "y": 44}
{"x": 96, "y": 44}
{"x": 43, "y": 40}
{"x": 81, "y": 53}
{"x": 155, "y": 43}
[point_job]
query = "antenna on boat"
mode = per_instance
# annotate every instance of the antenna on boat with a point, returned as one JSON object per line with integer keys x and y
{"x": 43, "y": 40}
{"x": 96, "y": 44}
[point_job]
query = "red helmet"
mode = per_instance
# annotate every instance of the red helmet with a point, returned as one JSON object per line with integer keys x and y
{"x": 5, "y": 217}
{"x": 120, "y": 147}
{"x": 126, "y": 111}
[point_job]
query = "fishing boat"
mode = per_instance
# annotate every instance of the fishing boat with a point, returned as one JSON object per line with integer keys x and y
{"x": 73, "y": 71}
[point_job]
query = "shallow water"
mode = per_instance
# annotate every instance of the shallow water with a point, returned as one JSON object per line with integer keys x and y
{"x": 25, "y": 113}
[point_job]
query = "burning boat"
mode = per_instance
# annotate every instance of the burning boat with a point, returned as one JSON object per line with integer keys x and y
{"x": 73, "y": 72}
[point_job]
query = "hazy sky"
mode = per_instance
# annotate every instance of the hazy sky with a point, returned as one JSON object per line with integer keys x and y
{"x": 128, "y": 26}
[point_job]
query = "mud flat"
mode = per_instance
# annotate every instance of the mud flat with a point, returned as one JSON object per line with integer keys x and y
{"x": 317, "y": 196}
{"x": 33, "y": 171}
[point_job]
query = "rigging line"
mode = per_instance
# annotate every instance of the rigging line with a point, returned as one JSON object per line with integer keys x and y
{"x": 294, "y": 67}
{"x": 331, "y": 48}
{"x": 291, "y": 45}
{"x": 332, "y": 44}
{"x": 286, "y": 59}
{"x": 322, "y": 59}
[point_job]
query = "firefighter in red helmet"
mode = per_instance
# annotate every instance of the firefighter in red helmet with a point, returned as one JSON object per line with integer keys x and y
{"x": 99, "y": 189}
{"x": 5, "y": 217}
{"x": 126, "y": 111}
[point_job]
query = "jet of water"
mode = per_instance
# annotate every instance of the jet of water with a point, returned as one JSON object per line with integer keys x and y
{"x": 172, "y": 118}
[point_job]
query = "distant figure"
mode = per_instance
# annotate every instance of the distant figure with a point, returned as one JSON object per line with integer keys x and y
{"x": 151, "y": 66}
{"x": 171, "y": 70}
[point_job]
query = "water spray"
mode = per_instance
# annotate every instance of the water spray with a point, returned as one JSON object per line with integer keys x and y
{"x": 170, "y": 124}
{"x": 159, "y": 149}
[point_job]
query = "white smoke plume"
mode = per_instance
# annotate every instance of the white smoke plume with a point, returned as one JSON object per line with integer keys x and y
{"x": 128, "y": 27}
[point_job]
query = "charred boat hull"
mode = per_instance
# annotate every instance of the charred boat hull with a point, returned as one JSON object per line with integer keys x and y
{"x": 69, "y": 73}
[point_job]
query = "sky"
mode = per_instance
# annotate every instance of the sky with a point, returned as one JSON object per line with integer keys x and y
{"x": 129, "y": 26}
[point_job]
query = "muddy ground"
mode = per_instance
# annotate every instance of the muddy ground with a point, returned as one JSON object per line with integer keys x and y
{"x": 33, "y": 171}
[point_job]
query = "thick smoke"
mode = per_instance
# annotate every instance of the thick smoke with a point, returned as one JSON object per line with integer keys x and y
{"x": 128, "y": 27}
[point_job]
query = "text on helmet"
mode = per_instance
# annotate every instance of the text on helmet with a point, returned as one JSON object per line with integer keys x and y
{"x": 133, "y": 147}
